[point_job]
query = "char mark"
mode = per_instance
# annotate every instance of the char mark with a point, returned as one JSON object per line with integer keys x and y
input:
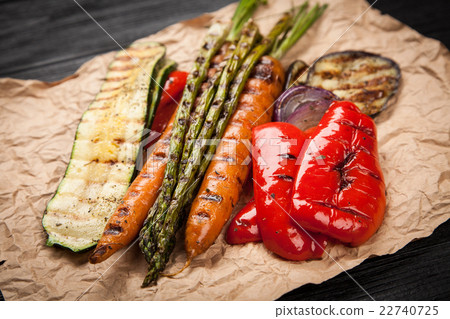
{"x": 286, "y": 178}
{"x": 288, "y": 156}
{"x": 212, "y": 197}
{"x": 113, "y": 230}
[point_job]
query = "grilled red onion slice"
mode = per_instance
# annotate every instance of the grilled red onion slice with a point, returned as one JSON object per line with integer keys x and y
{"x": 303, "y": 106}
{"x": 296, "y": 74}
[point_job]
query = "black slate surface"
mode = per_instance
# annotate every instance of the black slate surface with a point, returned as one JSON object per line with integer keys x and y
{"x": 50, "y": 39}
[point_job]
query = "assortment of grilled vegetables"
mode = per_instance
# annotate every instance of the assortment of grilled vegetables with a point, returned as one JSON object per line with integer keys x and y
{"x": 234, "y": 83}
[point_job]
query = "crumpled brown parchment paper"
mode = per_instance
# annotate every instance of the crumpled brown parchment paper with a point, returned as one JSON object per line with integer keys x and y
{"x": 38, "y": 123}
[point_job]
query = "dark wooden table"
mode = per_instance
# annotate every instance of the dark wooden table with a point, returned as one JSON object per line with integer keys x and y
{"x": 50, "y": 39}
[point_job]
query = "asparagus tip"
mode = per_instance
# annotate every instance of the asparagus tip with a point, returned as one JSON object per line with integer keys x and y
{"x": 150, "y": 278}
{"x": 304, "y": 20}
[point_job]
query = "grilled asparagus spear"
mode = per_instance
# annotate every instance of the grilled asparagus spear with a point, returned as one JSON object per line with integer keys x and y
{"x": 249, "y": 35}
{"x": 303, "y": 21}
{"x": 201, "y": 109}
{"x": 243, "y": 12}
{"x": 212, "y": 43}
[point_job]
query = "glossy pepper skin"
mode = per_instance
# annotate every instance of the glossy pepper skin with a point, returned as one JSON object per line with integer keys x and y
{"x": 339, "y": 189}
{"x": 276, "y": 147}
{"x": 173, "y": 87}
{"x": 243, "y": 227}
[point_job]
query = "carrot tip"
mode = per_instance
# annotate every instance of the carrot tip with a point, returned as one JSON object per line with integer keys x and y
{"x": 188, "y": 262}
{"x": 94, "y": 258}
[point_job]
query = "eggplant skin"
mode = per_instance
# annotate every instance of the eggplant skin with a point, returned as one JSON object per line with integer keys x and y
{"x": 366, "y": 79}
{"x": 296, "y": 74}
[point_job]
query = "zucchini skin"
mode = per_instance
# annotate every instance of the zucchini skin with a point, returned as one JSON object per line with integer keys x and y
{"x": 162, "y": 73}
{"x": 104, "y": 152}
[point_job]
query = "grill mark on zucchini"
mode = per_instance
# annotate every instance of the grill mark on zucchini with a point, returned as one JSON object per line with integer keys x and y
{"x": 99, "y": 173}
{"x": 89, "y": 217}
{"x": 117, "y": 79}
{"x": 91, "y": 200}
{"x": 122, "y": 58}
{"x": 111, "y": 89}
{"x": 105, "y": 107}
{"x": 107, "y": 98}
{"x": 127, "y": 121}
{"x": 126, "y": 67}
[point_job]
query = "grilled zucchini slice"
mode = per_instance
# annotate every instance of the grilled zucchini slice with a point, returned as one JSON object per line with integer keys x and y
{"x": 366, "y": 79}
{"x": 104, "y": 152}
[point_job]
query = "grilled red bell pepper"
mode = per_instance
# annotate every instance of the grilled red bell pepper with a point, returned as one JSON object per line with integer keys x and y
{"x": 276, "y": 147}
{"x": 339, "y": 189}
{"x": 243, "y": 227}
{"x": 173, "y": 88}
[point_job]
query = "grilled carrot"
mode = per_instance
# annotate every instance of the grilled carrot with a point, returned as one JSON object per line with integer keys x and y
{"x": 222, "y": 184}
{"x": 124, "y": 225}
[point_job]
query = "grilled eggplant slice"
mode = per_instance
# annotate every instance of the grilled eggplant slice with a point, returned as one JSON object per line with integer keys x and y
{"x": 296, "y": 74}
{"x": 104, "y": 152}
{"x": 366, "y": 79}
